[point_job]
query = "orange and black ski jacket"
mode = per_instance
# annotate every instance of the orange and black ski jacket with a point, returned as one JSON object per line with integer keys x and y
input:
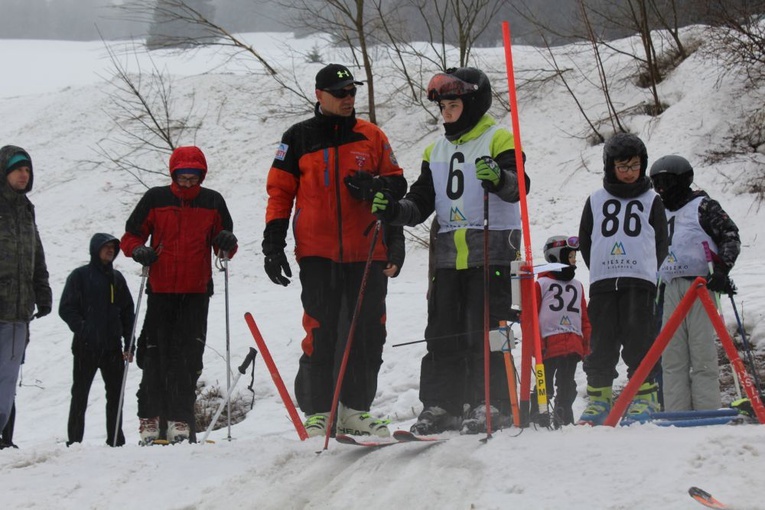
{"x": 309, "y": 169}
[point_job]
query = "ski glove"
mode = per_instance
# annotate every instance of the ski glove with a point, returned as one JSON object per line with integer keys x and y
{"x": 362, "y": 185}
{"x": 384, "y": 207}
{"x": 275, "y": 264}
{"x": 145, "y": 255}
{"x": 488, "y": 172}
{"x": 42, "y": 311}
{"x": 225, "y": 240}
{"x": 720, "y": 282}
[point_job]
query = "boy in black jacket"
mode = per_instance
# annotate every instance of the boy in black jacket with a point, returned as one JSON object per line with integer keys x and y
{"x": 97, "y": 306}
{"x": 623, "y": 240}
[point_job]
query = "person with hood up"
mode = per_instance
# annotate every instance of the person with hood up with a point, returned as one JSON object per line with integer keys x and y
{"x": 97, "y": 306}
{"x": 690, "y": 372}
{"x": 623, "y": 240}
{"x": 474, "y": 156}
{"x": 184, "y": 223}
{"x": 23, "y": 272}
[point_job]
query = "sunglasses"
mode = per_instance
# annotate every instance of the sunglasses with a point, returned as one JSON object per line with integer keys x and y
{"x": 342, "y": 93}
{"x": 572, "y": 242}
{"x": 448, "y": 86}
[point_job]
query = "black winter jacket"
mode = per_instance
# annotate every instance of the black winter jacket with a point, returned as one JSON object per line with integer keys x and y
{"x": 96, "y": 303}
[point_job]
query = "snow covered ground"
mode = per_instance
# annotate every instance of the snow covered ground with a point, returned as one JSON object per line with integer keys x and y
{"x": 53, "y": 100}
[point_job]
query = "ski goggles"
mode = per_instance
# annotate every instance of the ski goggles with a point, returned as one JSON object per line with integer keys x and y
{"x": 448, "y": 86}
{"x": 571, "y": 242}
{"x": 342, "y": 93}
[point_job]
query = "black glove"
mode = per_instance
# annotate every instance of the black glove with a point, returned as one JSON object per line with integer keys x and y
{"x": 42, "y": 311}
{"x": 145, "y": 255}
{"x": 225, "y": 240}
{"x": 719, "y": 281}
{"x": 363, "y": 185}
{"x": 275, "y": 263}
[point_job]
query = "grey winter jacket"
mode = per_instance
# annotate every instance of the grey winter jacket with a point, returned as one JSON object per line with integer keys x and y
{"x": 23, "y": 273}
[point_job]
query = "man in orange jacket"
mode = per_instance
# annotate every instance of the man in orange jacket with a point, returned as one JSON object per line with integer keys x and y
{"x": 329, "y": 167}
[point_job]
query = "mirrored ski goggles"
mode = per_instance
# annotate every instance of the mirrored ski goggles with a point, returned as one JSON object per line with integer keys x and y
{"x": 448, "y": 86}
{"x": 572, "y": 242}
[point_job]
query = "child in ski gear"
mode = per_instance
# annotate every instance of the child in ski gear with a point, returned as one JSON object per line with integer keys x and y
{"x": 328, "y": 167}
{"x": 689, "y": 362}
{"x": 185, "y": 223}
{"x": 623, "y": 239}
{"x": 564, "y": 325}
{"x": 474, "y": 156}
{"x": 97, "y": 306}
{"x": 22, "y": 270}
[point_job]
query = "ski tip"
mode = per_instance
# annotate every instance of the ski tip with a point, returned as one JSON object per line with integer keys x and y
{"x": 705, "y": 498}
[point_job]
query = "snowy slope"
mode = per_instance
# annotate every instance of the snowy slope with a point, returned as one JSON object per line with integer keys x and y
{"x": 56, "y": 110}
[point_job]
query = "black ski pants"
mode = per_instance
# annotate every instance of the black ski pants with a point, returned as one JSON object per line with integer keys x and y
{"x": 112, "y": 367}
{"x": 452, "y": 372}
{"x": 173, "y": 344}
{"x": 622, "y": 320}
{"x": 329, "y": 294}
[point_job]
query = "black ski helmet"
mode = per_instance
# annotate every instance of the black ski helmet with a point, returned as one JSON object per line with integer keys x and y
{"x": 672, "y": 177}
{"x": 475, "y": 100}
{"x": 623, "y": 146}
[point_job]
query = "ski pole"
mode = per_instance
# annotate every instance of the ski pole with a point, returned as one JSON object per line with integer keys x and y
{"x": 250, "y": 358}
{"x": 144, "y": 275}
{"x": 747, "y": 346}
{"x": 486, "y": 346}
{"x": 229, "y": 387}
{"x": 351, "y": 331}
{"x": 708, "y": 255}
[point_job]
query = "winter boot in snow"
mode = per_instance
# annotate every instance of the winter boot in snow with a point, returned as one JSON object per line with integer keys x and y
{"x": 643, "y": 405}
{"x": 316, "y": 424}
{"x": 600, "y": 405}
{"x": 475, "y": 423}
{"x": 360, "y": 423}
{"x": 177, "y": 431}
{"x": 148, "y": 430}
{"x": 434, "y": 420}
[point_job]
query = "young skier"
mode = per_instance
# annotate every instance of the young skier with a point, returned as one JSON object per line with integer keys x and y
{"x": 623, "y": 239}
{"x": 563, "y": 324}
{"x": 475, "y": 156}
{"x": 690, "y": 373}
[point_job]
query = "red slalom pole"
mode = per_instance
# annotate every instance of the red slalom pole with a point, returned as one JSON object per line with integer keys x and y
{"x": 281, "y": 388}
{"x": 539, "y": 368}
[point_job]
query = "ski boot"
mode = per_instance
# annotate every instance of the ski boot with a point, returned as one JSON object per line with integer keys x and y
{"x": 148, "y": 430}
{"x": 177, "y": 431}
{"x": 360, "y": 423}
{"x": 600, "y": 405}
{"x": 316, "y": 424}
{"x": 475, "y": 423}
{"x": 643, "y": 405}
{"x": 434, "y": 420}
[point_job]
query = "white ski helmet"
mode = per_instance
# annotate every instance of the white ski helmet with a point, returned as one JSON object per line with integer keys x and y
{"x": 555, "y": 246}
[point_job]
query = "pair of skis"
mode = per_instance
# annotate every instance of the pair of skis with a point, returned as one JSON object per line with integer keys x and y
{"x": 399, "y": 437}
{"x": 705, "y": 498}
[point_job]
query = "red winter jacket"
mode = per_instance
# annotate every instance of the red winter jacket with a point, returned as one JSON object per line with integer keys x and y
{"x": 563, "y": 344}
{"x": 182, "y": 223}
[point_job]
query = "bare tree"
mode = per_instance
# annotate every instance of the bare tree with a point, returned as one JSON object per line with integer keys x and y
{"x": 144, "y": 113}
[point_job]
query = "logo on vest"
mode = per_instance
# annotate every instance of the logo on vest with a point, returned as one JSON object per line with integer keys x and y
{"x": 618, "y": 249}
{"x": 565, "y": 321}
{"x": 456, "y": 215}
{"x": 671, "y": 258}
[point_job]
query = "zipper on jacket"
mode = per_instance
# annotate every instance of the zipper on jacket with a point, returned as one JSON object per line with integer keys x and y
{"x": 337, "y": 197}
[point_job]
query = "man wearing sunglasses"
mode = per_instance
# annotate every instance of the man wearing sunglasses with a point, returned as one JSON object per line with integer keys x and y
{"x": 329, "y": 167}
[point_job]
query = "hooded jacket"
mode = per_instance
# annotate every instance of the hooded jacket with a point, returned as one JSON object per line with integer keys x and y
{"x": 23, "y": 272}
{"x": 182, "y": 224}
{"x": 96, "y": 303}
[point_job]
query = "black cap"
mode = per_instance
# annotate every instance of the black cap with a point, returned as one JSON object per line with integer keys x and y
{"x": 335, "y": 77}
